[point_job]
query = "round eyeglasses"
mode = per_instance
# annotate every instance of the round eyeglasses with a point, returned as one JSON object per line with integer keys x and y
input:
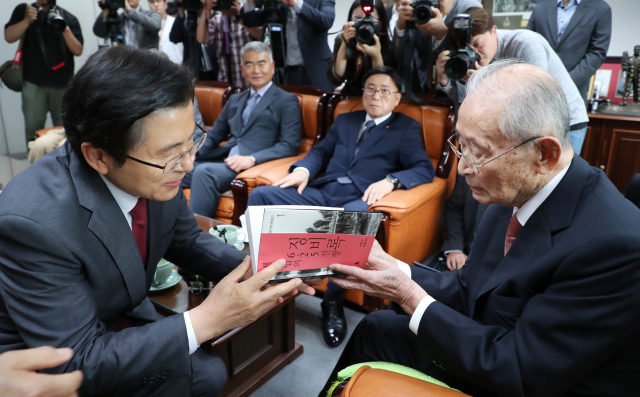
{"x": 175, "y": 162}
{"x": 472, "y": 163}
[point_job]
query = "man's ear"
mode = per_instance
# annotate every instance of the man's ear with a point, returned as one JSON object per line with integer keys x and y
{"x": 550, "y": 150}
{"x": 97, "y": 158}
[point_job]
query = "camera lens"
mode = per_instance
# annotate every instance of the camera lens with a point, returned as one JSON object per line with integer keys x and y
{"x": 56, "y": 23}
{"x": 422, "y": 14}
{"x": 364, "y": 34}
{"x": 456, "y": 67}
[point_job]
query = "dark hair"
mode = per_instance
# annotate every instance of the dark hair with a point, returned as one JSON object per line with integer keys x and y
{"x": 383, "y": 70}
{"x": 382, "y": 17}
{"x": 482, "y": 20}
{"x": 115, "y": 89}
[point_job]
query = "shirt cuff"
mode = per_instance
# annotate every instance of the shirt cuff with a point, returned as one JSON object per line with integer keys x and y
{"x": 406, "y": 269}
{"x": 191, "y": 335}
{"x": 399, "y": 32}
{"x": 450, "y": 251}
{"x": 414, "y": 324}
{"x": 254, "y": 159}
{"x": 298, "y": 6}
{"x": 303, "y": 169}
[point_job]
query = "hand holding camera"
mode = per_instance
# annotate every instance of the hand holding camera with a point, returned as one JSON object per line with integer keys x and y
{"x": 348, "y": 32}
{"x": 374, "y": 51}
{"x": 460, "y": 60}
{"x": 33, "y": 14}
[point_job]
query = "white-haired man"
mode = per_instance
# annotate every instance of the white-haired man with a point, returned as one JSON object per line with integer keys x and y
{"x": 547, "y": 302}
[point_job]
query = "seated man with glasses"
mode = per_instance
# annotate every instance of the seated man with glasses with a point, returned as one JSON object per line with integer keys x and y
{"x": 83, "y": 228}
{"x": 547, "y": 302}
{"x": 263, "y": 124}
{"x": 367, "y": 154}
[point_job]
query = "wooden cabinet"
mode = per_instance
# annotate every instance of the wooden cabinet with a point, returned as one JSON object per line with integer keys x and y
{"x": 613, "y": 145}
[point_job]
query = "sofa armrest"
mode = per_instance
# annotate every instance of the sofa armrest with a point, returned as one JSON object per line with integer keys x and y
{"x": 278, "y": 172}
{"x": 401, "y": 204}
{"x": 250, "y": 176}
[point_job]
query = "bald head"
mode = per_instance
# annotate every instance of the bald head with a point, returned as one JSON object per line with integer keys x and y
{"x": 526, "y": 100}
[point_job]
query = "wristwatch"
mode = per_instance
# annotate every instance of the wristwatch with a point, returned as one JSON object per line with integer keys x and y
{"x": 393, "y": 180}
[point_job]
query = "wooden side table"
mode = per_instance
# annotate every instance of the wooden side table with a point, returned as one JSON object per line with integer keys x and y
{"x": 253, "y": 353}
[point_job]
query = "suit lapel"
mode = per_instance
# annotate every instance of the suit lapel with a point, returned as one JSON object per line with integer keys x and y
{"x": 354, "y": 124}
{"x": 575, "y": 19}
{"x": 266, "y": 100}
{"x": 374, "y": 135}
{"x": 110, "y": 226}
{"x": 552, "y": 18}
{"x": 236, "y": 119}
{"x": 154, "y": 218}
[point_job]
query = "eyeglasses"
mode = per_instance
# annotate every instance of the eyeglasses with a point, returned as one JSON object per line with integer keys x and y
{"x": 475, "y": 166}
{"x": 175, "y": 162}
{"x": 249, "y": 66}
{"x": 384, "y": 92}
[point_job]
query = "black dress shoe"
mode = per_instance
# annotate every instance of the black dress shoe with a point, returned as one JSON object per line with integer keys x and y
{"x": 334, "y": 324}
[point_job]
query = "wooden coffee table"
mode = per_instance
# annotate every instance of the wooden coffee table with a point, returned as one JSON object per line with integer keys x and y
{"x": 253, "y": 353}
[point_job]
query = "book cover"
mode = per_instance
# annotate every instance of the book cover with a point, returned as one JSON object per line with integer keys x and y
{"x": 312, "y": 239}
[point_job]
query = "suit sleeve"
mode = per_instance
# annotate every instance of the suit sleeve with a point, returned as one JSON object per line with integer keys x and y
{"x": 597, "y": 50}
{"x": 454, "y": 218}
{"x": 47, "y": 295}
{"x": 289, "y": 132}
{"x": 320, "y": 19}
{"x": 562, "y": 333}
{"x": 149, "y": 20}
{"x": 318, "y": 158}
{"x": 100, "y": 27}
{"x": 177, "y": 30}
{"x": 221, "y": 128}
{"x": 415, "y": 162}
{"x": 532, "y": 20}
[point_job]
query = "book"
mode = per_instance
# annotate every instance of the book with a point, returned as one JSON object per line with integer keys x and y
{"x": 310, "y": 239}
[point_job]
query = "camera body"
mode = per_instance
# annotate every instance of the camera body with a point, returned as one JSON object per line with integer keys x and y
{"x": 462, "y": 56}
{"x": 366, "y": 28}
{"x": 50, "y": 18}
{"x": 422, "y": 13}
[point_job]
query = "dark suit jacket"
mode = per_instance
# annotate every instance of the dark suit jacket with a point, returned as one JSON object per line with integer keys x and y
{"x": 70, "y": 269}
{"x": 559, "y": 314}
{"x": 584, "y": 43}
{"x": 393, "y": 147}
{"x": 272, "y": 131}
{"x": 461, "y": 218}
{"x": 148, "y": 24}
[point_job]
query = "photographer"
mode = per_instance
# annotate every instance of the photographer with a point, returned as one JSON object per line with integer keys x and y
{"x": 141, "y": 27}
{"x": 306, "y": 23}
{"x": 200, "y": 58}
{"x": 225, "y": 30}
{"x": 341, "y": 69}
{"x": 51, "y": 38}
{"x": 425, "y": 38}
{"x": 521, "y": 44}
{"x": 174, "y": 51}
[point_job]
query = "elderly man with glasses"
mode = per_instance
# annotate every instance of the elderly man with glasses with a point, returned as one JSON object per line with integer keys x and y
{"x": 82, "y": 229}
{"x": 547, "y": 303}
{"x": 367, "y": 154}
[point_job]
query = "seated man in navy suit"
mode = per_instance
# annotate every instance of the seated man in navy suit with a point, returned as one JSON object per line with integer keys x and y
{"x": 264, "y": 124}
{"x": 367, "y": 154}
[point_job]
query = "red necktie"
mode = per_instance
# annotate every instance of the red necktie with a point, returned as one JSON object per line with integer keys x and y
{"x": 512, "y": 231}
{"x": 139, "y": 227}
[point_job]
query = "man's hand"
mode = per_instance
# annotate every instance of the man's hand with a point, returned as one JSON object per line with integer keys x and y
{"x": 127, "y": 6}
{"x": 377, "y": 190}
{"x": 348, "y": 32}
{"x": 405, "y": 14}
{"x": 436, "y": 26}
{"x": 299, "y": 178}
{"x": 239, "y": 163}
{"x": 234, "y": 11}
{"x": 470, "y": 72}
{"x": 443, "y": 57}
{"x": 232, "y": 304}
{"x": 382, "y": 278}
{"x": 32, "y": 15}
{"x": 374, "y": 51}
{"x": 18, "y": 376}
{"x": 305, "y": 288}
{"x": 208, "y": 5}
{"x": 455, "y": 260}
{"x": 290, "y": 3}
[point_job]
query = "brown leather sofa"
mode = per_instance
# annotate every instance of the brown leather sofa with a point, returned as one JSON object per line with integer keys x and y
{"x": 369, "y": 381}
{"x": 413, "y": 219}
{"x": 212, "y": 95}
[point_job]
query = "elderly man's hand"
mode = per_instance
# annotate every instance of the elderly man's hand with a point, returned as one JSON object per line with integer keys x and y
{"x": 239, "y": 163}
{"x": 455, "y": 260}
{"x": 18, "y": 376}
{"x": 377, "y": 190}
{"x": 382, "y": 278}
{"x": 299, "y": 178}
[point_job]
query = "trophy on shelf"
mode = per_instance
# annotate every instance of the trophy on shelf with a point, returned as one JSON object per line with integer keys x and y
{"x": 631, "y": 68}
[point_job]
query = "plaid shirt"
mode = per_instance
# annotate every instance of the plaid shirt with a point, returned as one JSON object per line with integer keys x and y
{"x": 238, "y": 37}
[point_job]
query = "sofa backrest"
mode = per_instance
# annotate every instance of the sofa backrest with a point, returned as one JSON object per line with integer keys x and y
{"x": 312, "y": 116}
{"x": 211, "y": 100}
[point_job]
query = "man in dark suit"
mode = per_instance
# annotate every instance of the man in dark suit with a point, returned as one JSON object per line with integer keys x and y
{"x": 81, "y": 232}
{"x": 139, "y": 27}
{"x": 366, "y": 154}
{"x": 547, "y": 303}
{"x": 264, "y": 125}
{"x": 579, "y": 31}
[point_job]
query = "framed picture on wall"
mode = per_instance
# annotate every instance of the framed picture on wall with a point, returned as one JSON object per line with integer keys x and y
{"x": 510, "y": 14}
{"x": 611, "y": 79}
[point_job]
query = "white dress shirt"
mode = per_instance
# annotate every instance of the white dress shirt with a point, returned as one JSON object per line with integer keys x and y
{"x": 174, "y": 51}
{"x": 294, "y": 55}
{"x": 524, "y": 213}
{"x": 126, "y": 202}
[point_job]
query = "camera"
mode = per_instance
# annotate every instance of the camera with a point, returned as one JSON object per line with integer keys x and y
{"x": 50, "y": 18}
{"x": 462, "y": 56}
{"x": 422, "y": 13}
{"x": 367, "y": 27}
{"x": 111, "y": 4}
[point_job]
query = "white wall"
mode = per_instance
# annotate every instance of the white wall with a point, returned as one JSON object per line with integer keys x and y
{"x": 626, "y": 29}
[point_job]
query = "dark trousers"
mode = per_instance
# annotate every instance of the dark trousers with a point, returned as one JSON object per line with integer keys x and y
{"x": 207, "y": 182}
{"x": 297, "y": 75}
{"x": 385, "y": 336}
